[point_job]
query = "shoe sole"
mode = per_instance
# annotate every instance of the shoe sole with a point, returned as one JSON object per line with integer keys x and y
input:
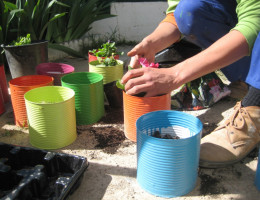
{"x": 213, "y": 165}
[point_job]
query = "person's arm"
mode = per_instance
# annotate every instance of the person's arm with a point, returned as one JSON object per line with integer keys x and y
{"x": 248, "y": 14}
{"x": 223, "y": 52}
{"x": 163, "y": 36}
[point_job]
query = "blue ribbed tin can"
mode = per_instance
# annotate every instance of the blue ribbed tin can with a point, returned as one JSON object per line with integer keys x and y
{"x": 257, "y": 177}
{"x": 168, "y": 167}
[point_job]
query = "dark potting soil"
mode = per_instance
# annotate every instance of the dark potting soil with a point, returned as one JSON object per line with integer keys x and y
{"x": 109, "y": 138}
{"x": 113, "y": 116}
{"x": 208, "y": 128}
{"x": 157, "y": 134}
{"x": 211, "y": 185}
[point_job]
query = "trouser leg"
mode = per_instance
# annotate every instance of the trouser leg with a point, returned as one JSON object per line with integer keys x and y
{"x": 252, "y": 98}
{"x": 204, "y": 22}
{"x": 253, "y": 77}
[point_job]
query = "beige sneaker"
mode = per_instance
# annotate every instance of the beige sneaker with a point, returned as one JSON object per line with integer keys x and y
{"x": 232, "y": 141}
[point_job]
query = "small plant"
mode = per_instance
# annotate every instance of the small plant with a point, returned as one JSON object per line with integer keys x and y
{"x": 107, "y": 49}
{"x": 22, "y": 40}
{"x": 108, "y": 61}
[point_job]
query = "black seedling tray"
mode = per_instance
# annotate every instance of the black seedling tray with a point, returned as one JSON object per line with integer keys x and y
{"x": 29, "y": 173}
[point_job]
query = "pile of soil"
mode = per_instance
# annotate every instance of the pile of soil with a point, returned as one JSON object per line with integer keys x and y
{"x": 107, "y": 133}
{"x": 109, "y": 139}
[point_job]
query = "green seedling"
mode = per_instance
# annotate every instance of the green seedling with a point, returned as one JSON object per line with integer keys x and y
{"x": 22, "y": 41}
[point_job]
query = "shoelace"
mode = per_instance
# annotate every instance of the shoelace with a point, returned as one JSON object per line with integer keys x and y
{"x": 231, "y": 122}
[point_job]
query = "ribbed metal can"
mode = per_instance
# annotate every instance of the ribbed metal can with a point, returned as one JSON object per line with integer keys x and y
{"x": 55, "y": 70}
{"x": 109, "y": 73}
{"x": 92, "y": 57}
{"x": 18, "y": 87}
{"x": 2, "y": 104}
{"x": 135, "y": 106}
{"x": 257, "y": 177}
{"x": 3, "y": 84}
{"x": 51, "y": 116}
{"x": 168, "y": 167}
{"x": 89, "y": 95}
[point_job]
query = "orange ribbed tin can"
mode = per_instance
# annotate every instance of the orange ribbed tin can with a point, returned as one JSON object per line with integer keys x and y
{"x": 134, "y": 107}
{"x": 3, "y": 84}
{"x": 18, "y": 87}
{"x": 2, "y": 104}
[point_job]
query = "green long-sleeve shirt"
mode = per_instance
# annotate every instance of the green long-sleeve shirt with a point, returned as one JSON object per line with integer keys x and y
{"x": 248, "y": 14}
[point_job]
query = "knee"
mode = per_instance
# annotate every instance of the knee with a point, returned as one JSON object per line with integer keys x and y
{"x": 188, "y": 14}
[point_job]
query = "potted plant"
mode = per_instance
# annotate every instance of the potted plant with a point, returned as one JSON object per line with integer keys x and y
{"x": 107, "y": 49}
{"x": 29, "y": 20}
{"x": 111, "y": 69}
{"x": 23, "y": 56}
{"x": 138, "y": 105}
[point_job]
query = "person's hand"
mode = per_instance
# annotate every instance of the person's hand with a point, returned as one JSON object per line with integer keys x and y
{"x": 151, "y": 81}
{"x": 163, "y": 36}
{"x": 142, "y": 49}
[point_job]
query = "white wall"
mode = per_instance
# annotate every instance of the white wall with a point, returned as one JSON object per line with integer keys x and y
{"x": 133, "y": 21}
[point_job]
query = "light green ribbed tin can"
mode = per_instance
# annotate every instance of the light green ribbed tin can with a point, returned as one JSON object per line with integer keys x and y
{"x": 89, "y": 95}
{"x": 109, "y": 73}
{"x": 51, "y": 116}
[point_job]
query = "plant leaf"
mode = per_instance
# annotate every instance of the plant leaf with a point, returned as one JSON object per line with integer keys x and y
{"x": 10, "y": 5}
{"x": 120, "y": 85}
{"x": 46, "y": 25}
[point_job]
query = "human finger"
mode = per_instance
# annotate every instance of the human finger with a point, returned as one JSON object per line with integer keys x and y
{"x": 134, "y": 62}
{"x": 138, "y": 80}
{"x": 131, "y": 74}
{"x": 136, "y": 87}
{"x": 134, "y": 51}
{"x": 142, "y": 90}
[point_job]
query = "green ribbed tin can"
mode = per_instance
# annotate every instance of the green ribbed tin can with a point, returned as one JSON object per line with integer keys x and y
{"x": 51, "y": 116}
{"x": 89, "y": 95}
{"x": 109, "y": 73}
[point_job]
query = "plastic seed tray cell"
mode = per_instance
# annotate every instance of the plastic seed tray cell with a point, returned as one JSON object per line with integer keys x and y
{"x": 28, "y": 173}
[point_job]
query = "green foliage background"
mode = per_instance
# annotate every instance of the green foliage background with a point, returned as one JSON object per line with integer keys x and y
{"x": 51, "y": 20}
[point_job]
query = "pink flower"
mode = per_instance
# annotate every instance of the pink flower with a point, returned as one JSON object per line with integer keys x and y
{"x": 145, "y": 63}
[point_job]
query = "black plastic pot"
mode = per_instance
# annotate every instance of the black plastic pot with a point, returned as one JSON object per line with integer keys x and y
{"x": 114, "y": 95}
{"x": 29, "y": 173}
{"x": 22, "y": 60}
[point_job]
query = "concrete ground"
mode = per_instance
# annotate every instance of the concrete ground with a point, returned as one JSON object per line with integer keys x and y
{"x": 112, "y": 176}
